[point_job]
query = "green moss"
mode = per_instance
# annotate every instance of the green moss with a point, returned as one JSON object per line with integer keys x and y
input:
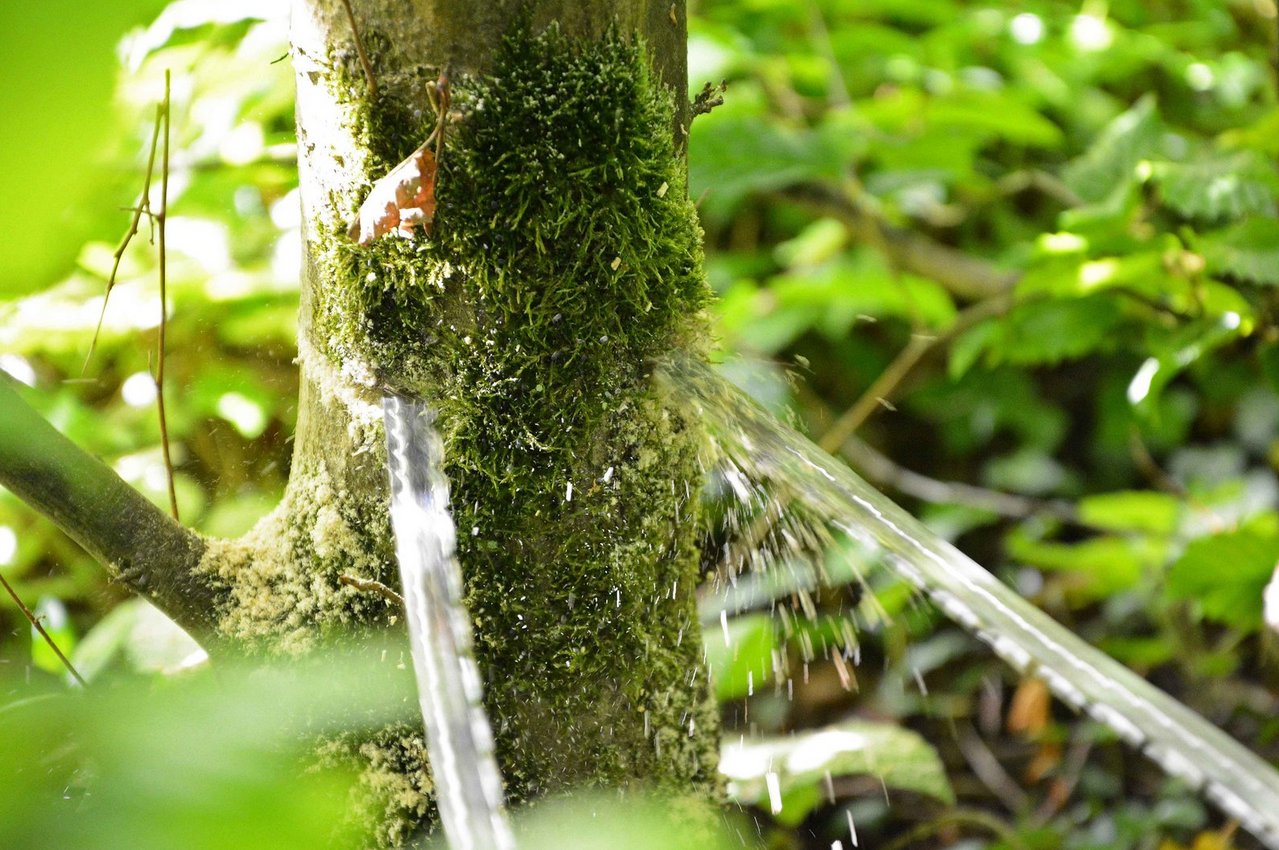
{"x": 564, "y": 258}
{"x": 286, "y": 596}
{"x": 393, "y": 793}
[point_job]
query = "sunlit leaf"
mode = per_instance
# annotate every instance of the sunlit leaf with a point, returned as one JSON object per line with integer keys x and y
{"x": 1137, "y": 510}
{"x": 58, "y": 64}
{"x": 1225, "y": 574}
{"x": 1049, "y": 331}
{"x": 1218, "y": 187}
{"x": 1113, "y": 156}
{"x": 1183, "y": 348}
{"x": 1248, "y": 251}
{"x": 740, "y": 655}
{"x": 769, "y": 772}
{"x": 1101, "y": 566}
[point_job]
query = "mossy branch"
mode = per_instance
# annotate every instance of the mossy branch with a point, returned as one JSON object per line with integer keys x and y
{"x": 140, "y": 545}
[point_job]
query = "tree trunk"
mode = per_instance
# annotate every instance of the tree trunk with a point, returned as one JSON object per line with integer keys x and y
{"x": 563, "y": 259}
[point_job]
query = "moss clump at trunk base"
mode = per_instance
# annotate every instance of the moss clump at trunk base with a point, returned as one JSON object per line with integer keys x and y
{"x": 564, "y": 259}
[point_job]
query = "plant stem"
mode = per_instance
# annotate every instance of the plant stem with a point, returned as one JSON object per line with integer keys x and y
{"x": 39, "y": 627}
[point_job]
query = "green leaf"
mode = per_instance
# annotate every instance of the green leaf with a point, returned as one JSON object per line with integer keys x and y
{"x": 815, "y": 244}
{"x": 1226, "y": 574}
{"x": 799, "y": 765}
{"x": 732, "y": 156}
{"x": 1140, "y": 271}
{"x": 990, "y": 115}
{"x": 1048, "y": 332}
{"x": 143, "y": 636}
{"x": 740, "y": 655}
{"x": 828, "y": 299}
{"x": 1186, "y": 346}
{"x": 968, "y": 348}
{"x": 1248, "y": 251}
{"x": 1217, "y": 186}
{"x": 1103, "y": 565}
{"x": 106, "y": 640}
{"x": 1112, "y": 159}
{"x": 155, "y": 784}
{"x": 1134, "y": 510}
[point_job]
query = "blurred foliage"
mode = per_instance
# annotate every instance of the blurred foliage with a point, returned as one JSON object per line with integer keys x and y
{"x": 1037, "y": 242}
{"x": 1065, "y": 211}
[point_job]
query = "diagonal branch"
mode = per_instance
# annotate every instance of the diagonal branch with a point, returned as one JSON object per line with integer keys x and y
{"x": 140, "y": 545}
{"x": 879, "y": 392}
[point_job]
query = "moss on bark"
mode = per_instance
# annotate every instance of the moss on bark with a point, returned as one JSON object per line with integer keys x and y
{"x": 563, "y": 259}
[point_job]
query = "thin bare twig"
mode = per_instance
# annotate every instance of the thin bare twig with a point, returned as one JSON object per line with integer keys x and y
{"x": 883, "y": 388}
{"x": 359, "y": 50}
{"x": 163, "y": 113}
{"x": 39, "y": 627}
{"x": 985, "y": 765}
{"x": 143, "y": 208}
{"x": 707, "y": 99}
{"x": 372, "y": 586}
{"x": 1064, "y": 785}
{"x": 884, "y": 471}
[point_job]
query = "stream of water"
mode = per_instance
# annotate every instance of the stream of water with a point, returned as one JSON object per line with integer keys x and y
{"x": 459, "y": 741}
{"x": 760, "y": 457}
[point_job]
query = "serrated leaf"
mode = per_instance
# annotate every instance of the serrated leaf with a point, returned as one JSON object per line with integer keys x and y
{"x": 1226, "y": 574}
{"x": 1186, "y": 346}
{"x": 897, "y": 757}
{"x": 1215, "y": 187}
{"x": 1248, "y": 251}
{"x": 1048, "y": 332}
{"x": 1113, "y": 156}
{"x": 1141, "y": 271}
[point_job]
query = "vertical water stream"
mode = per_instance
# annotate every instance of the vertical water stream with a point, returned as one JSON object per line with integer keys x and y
{"x": 757, "y": 453}
{"x": 459, "y": 742}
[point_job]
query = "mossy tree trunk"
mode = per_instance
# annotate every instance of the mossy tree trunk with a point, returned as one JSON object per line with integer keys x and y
{"x": 563, "y": 260}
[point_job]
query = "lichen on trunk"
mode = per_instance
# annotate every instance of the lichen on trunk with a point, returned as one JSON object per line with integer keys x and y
{"x": 563, "y": 261}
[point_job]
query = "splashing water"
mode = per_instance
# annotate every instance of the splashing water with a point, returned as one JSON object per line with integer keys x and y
{"x": 459, "y": 742}
{"x": 754, "y": 453}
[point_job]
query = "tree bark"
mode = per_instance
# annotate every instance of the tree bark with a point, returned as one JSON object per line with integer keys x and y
{"x": 563, "y": 260}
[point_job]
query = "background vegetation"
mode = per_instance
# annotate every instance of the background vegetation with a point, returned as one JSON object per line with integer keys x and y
{"x": 1028, "y": 247}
